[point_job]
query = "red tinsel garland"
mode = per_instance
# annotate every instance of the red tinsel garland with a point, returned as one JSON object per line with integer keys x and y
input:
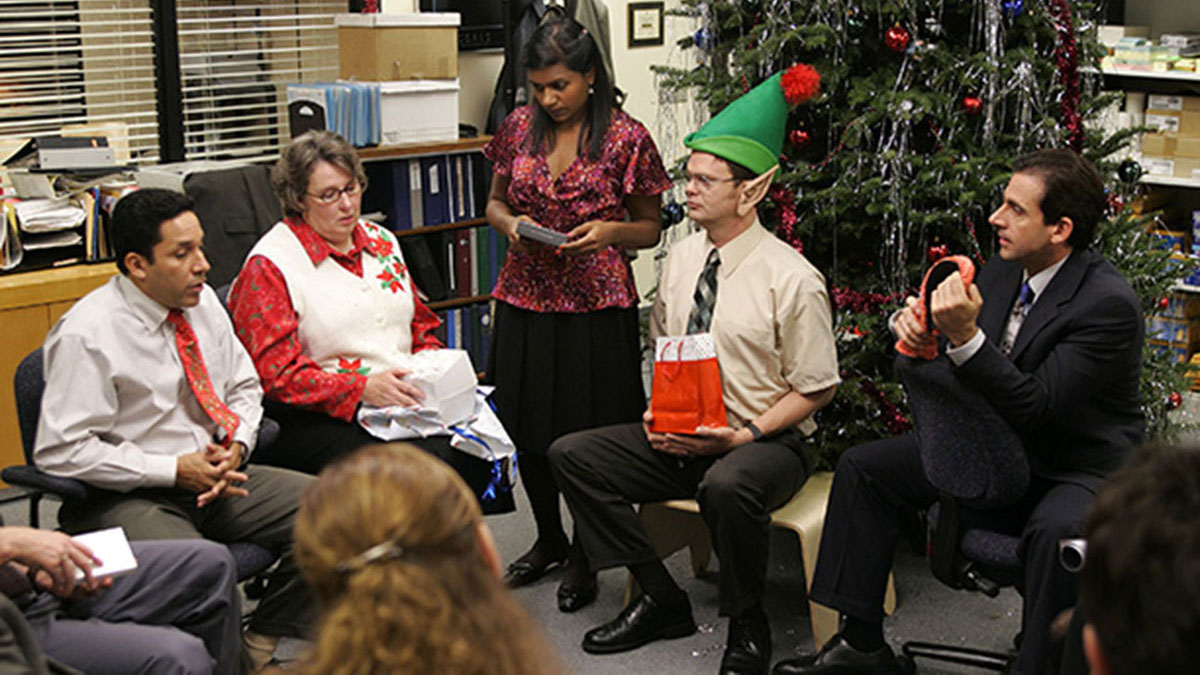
{"x": 785, "y": 215}
{"x": 1066, "y": 58}
{"x": 862, "y": 302}
{"x": 895, "y": 421}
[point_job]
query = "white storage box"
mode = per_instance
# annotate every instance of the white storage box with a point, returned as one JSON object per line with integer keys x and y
{"x": 418, "y": 111}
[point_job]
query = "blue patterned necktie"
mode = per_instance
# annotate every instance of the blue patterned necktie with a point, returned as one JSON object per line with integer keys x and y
{"x": 705, "y": 297}
{"x": 1016, "y": 318}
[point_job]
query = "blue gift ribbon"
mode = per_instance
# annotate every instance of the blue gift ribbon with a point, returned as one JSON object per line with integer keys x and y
{"x": 494, "y": 486}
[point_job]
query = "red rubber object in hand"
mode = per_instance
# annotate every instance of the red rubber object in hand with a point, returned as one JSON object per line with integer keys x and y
{"x": 936, "y": 274}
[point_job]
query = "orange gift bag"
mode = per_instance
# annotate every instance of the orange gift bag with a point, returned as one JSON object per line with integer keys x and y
{"x": 687, "y": 385}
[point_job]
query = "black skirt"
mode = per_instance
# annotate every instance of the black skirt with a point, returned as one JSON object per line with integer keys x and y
{"x": 558, "y": 372}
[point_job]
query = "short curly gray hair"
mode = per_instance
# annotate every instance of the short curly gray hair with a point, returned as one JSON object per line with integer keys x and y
{"x": 290, "y": 175}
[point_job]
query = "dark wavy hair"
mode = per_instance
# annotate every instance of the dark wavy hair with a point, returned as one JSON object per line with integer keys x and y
{"x": 562, "y": 40}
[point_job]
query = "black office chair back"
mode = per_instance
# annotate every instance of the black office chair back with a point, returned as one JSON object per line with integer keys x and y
{"x": 28, "y": 383}
{"x": 967, "y": 449}
{"x": 976, "y": 461}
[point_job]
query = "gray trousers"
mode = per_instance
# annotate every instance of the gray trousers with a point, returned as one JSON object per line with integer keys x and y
{"x": 265, "y": 517}
{"x": 603, "y": 472}
{"x": 178, "y": 613}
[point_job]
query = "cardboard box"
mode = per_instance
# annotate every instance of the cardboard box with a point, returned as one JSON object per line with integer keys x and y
{"x": 1181, "y": 306}
{"x": 1174, "y": 331}
{"x": 1170, "y": 240}
{"x": 1173, "y": 103}
{"x": 1159, "y": 145}
{"x": 387, "y": 47}
{"x": 1187, "y": 167}
{"x": 418, "y": 111}
{"x": 1158, "y": 166}
{"x": 1187, "y": 146}
{"x": 1179, "y": 351}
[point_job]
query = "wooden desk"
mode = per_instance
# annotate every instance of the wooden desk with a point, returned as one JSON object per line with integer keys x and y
{"x": 30, "y": 303}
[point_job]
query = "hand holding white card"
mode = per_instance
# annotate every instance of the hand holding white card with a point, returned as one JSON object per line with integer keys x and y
{"x": 112, "y": 548}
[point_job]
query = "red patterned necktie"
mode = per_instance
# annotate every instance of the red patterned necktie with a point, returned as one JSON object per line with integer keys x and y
{"x": 197, "y": 376}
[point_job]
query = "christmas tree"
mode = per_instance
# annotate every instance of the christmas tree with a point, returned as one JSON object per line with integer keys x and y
{"x": 901, "y": 159}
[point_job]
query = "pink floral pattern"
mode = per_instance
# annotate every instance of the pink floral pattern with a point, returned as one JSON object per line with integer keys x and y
{"x": 587, "y": 190}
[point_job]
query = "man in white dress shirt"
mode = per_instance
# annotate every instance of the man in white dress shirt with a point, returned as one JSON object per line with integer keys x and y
{"x": 151, "y": 399}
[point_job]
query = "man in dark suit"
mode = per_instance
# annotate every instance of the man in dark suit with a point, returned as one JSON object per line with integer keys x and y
{"x": 1052, "y": 337}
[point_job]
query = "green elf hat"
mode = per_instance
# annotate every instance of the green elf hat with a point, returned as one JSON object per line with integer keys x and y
{"x": 750, "y": 130}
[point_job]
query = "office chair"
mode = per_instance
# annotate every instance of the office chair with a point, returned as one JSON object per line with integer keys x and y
{"x": 250, "y": 559}
{"x": 977, "y": 463}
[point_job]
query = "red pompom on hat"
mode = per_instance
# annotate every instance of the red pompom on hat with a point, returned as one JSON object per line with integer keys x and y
{"x": 801, "y": 83}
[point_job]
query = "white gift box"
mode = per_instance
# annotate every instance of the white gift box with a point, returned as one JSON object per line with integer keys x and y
{"x": 448, "y": 380}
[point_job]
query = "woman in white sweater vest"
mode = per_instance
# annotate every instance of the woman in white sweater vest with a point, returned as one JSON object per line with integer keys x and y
{"x": 328, "y": 311}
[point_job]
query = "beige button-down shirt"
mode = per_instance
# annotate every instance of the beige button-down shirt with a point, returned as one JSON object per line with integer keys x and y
{"x": 772, "y": 325}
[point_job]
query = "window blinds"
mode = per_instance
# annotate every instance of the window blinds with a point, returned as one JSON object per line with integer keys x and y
{"x": 236, "y": 58}
{"x": 79, "y": 67}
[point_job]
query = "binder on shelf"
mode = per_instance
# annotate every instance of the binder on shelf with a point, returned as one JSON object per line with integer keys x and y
{"x": 480, "y": 272}
{"x": 448, "y": 240}
{"x": 423, "y": 268}
{"x": 390, "y": 192}
{"x": 484, "y": 324}
{"x": 435, "y": 190}
{"x": 462, "y": 263}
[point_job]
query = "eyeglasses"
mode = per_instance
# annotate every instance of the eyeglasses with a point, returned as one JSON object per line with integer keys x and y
{"x": 334, "y": 195}
{"x": 706, "y": 183}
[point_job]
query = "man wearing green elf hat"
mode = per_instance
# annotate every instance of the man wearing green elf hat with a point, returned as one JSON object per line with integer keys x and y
{"x": 768, "y": 315}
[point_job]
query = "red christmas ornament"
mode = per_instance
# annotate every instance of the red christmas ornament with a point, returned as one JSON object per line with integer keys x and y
{"x": 1164, "y": 302}
{"x": 1174, "y": 400}
{"x": 1115, "y": 204}
{"x": 801, "y": 83}
{"x": 972, "y": 104}
{"x": 799, "y": 138}
{"x": 896, "y": 38}
{"x": 936, "y": 253}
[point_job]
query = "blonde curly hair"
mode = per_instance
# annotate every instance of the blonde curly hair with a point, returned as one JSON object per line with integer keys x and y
{"x": 430, "y": 603}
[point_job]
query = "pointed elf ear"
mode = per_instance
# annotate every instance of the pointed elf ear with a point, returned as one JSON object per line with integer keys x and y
{"x": 755, "y": 190}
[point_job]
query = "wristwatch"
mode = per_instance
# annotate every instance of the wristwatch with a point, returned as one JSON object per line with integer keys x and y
{"x": 755, "y": 432}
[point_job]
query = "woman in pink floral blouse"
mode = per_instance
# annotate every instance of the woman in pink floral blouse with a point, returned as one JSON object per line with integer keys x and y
{"x": 566, "y": 353}
{"x": 327, "y": 309}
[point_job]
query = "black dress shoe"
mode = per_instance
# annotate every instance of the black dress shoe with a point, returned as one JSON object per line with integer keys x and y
{"x": 837, "y": 657}
{"x": 748, "y": 651}
{"x": 572, "y": 598}
{"x": 526, "y": 569}
{"x": 641, "y": 622}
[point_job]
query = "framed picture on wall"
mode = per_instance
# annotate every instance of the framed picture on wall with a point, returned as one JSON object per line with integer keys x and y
{"x": 645, "y": 24}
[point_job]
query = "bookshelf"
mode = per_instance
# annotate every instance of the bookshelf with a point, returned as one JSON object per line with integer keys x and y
{"x": 434, "y": 195}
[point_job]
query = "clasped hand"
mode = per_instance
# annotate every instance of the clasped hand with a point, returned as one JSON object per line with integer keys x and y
{"x": 954, "y": 307}
{"x": 705, "y": 441}
{"x": 54, "y": 557}
{"x": 212, "y": 473}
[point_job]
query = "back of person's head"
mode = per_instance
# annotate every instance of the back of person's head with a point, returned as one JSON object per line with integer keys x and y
{"x": 1140, "y": 584}
{"x": 1073, "y": 188}
{"x": 561, "y": 40}
{"x": 390, "y": 538}
{"x": 137, "y": 219}
{"x": 289, "y": 176}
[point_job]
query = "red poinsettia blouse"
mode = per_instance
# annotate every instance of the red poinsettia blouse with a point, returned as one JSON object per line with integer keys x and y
{"x": 272, "y": 335}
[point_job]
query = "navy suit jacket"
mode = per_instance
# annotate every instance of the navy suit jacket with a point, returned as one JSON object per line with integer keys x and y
{"x": 1070, "y": 386}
